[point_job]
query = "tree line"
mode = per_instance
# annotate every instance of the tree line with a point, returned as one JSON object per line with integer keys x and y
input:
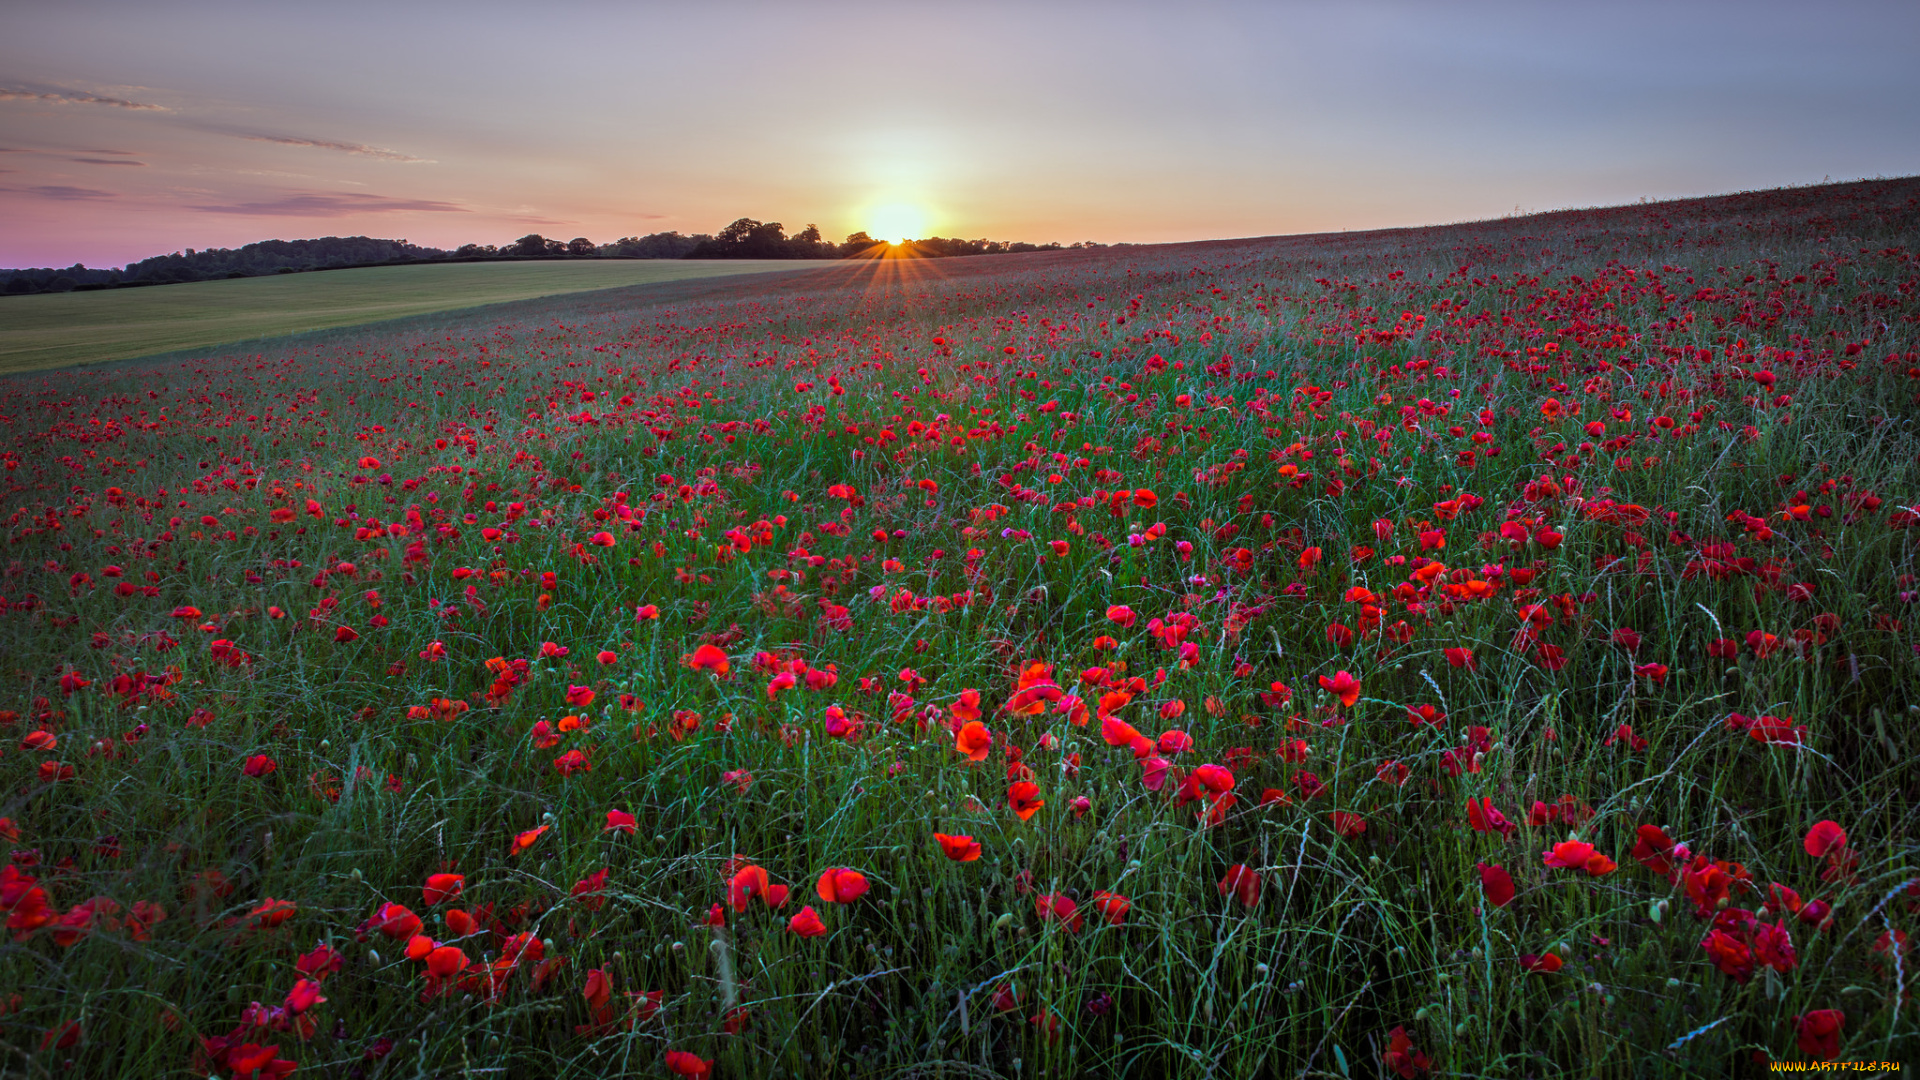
{"x": 745, "y": 238}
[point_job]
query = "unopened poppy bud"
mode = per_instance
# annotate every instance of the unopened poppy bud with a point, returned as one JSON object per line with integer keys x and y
{"x": 1004, "y": 921}
{"x": 355, "y": 875}
{"x": 373, "y": 957}
{"x": 679, "y": 947}
{"x": 1657, "y": 912}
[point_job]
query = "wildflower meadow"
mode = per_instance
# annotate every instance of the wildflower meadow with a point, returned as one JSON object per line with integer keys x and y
{"x": 1480, "y": 650}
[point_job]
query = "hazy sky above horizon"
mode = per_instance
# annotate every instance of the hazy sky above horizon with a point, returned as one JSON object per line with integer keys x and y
{"x": 129, "y": 130}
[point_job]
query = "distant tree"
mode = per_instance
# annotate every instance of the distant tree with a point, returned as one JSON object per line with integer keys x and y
{"x": 738, "y": 232}
{"x": 808, "y": 235}
{"x": 746, "y": 238}
{"x": 532, "y": 245}
{"x": 580, "y": 246}
{"x": 19, "y": 285}
{"x": 857, "y": 243}
{"x": 663, "y": 245}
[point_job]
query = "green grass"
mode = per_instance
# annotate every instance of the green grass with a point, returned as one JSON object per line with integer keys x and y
{"x": 68, "y": 329}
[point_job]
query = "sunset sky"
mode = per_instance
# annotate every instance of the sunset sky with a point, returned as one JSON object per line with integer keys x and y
{"x": 129, "y": 130}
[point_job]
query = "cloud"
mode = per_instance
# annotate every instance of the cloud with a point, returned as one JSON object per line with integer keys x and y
{"x": 361, "y": 149}
{"x": 330, "y": 204}
{"x": 62, "y": 97}
{"x": 69, "y": 194}
{"x": 107, "y": 161}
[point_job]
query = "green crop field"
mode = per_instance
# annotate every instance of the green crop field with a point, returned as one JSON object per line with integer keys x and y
{"x": 64, "y": 329}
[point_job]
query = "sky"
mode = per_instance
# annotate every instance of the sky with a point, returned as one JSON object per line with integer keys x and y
{"x": 135, "y": 129}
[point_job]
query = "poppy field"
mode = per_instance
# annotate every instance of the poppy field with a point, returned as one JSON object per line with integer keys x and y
{"x": 1477, "y": 650}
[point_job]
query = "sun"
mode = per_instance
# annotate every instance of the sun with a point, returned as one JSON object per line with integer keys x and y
{"x": 897, "y": 223}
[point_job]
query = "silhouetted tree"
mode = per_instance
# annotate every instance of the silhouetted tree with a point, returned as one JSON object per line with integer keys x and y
{"x": 663, "y": 245}
{"x": 580, "y": 246}
{"x": 529, "y": 246}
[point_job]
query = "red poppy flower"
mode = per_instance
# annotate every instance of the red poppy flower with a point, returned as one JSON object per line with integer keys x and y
{"x": 709, "y": 658}
{"x": 1344, "y": 686}
{"x": 591, "y": 890}
{"x": 1112, "y": 907}
{"x": 1484, "y": 818}
{"x": 571, "y": 762}
{"x": 966, "y": 708}
{"x": 320, "y": 963}
{"x": 620, "y": 821}
{"x": 1496, "y": 884}
{"x": 1033, "y": 700}
{"x": 807, "y": 923}
{"x": 1056, "y": 908}
{"x": 304, "y": 995}
{"x": 579, "y": 697}
{"x": 1121, "y": 614}
{"x": 1652, "y": 849}
{"x": 1543, "y": 965}
{"x": 1577, "y": 855}
{"x": 1402, "y": 1058}
{"x": 958, "y": 848}
{"x": 1818, "y": 1033}
{"x": 681, "y": 1063}
{"x": 441, "y": 888}
{"x": 1118, "y": 732}
{"x": 1023, "y": 798}
{"x": 973, "y": 740}
{"x": 270, "y": 913}
{"x": 1243, "y": 884}
{"x": 1348, "y": 824}
{"x": 1461, "y": 658}
{"x": 841, "y": 886}
{"x": 66, "y": 1036}
{"x": 750, "y": 881}
{"x": 524, "y": 840}
{"x": 393, "y": 920}
{"x": 1825, "y": 838}
{"x": 258, "y": 765}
